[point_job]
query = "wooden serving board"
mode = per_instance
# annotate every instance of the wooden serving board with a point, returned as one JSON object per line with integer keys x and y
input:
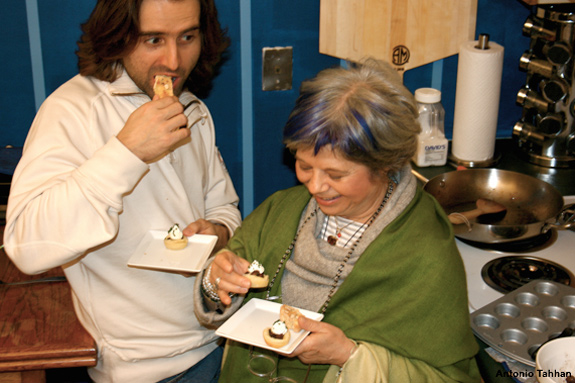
{"x": 406, "y": 33}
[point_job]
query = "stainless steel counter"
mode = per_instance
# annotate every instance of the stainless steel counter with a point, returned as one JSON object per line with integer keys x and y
{"x": 511, "y": 158}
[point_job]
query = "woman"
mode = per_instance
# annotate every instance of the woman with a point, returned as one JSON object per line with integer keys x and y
{"x": 365, "y": 246}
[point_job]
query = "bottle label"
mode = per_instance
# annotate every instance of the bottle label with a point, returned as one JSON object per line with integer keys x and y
{"x": 432, "y": 153}
{"x": 435, "y": 148}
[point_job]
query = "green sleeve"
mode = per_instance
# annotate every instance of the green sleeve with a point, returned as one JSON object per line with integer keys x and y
{"x": 375, "y": 364}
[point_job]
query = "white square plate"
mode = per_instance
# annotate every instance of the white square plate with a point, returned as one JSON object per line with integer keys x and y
{"x": 152, "y": 254}
{"x": 247, "y": 325}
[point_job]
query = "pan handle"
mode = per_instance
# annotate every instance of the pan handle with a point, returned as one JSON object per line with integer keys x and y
{"x": 567, "y": 217}
{"x": 419, "y": 176}
{"x": 565, "y": 220}
{"x": 423, "y": 179}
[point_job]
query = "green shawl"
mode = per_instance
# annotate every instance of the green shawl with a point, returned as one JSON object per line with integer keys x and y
{"x": 406, "y": 293}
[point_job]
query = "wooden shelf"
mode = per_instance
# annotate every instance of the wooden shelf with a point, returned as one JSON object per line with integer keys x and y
{"x": 406, "y": 33}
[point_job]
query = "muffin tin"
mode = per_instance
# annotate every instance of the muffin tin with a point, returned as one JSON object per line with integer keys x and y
{"x": 519, "y": 322}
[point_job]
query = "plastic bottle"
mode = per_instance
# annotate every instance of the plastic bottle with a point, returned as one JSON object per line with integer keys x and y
{"x": 432, "y": 144}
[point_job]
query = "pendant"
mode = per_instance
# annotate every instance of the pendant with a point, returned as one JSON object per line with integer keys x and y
{"x": 332, "y": 240}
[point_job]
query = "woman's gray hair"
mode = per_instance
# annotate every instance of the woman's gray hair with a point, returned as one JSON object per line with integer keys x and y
{"x": 365, "y": 113}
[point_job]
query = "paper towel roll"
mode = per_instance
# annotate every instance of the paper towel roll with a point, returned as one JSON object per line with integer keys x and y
{"x": 477, "y": 102}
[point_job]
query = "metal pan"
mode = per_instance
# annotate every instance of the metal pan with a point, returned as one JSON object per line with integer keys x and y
{"x": 533, "y": 206}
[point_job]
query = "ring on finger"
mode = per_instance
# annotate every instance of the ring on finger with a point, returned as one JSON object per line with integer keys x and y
{"x": 217, "y": 283}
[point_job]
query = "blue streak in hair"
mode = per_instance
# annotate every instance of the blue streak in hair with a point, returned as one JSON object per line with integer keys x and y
{"x": 298, "y": 121}
{"x": 323, "y": 140}
{"x": 308, "y": 123}
{"x": 364, "y": 126}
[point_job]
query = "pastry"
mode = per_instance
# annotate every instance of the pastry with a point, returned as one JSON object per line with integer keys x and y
{"x": 163, "y": 86}
{"x": 175, "y": 240}
{"x": 278, "y": 335}
{"x": 256, "y": 275}
{"x": 289, "y": 315}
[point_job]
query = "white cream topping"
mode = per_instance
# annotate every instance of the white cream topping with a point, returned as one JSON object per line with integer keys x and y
{"x": 279, "y": 327}
{"x": 175, "y": 232}
{"x": 256, "y": 266}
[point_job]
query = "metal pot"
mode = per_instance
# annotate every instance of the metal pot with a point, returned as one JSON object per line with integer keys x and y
{"x": 533, "y": 206}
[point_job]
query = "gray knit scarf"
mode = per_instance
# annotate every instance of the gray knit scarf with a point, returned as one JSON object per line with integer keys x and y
{"x": 311, "y": 269}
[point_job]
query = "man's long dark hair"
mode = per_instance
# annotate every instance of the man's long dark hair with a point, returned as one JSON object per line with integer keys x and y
{"x": 112, "y": 32}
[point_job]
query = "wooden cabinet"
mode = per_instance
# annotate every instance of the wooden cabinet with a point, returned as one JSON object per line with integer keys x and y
{"x": 406, "y": 33}
{"x": 38, "y": 326}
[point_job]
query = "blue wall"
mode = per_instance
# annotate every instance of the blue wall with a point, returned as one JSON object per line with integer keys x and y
{"x": 280, "y": 23}
{"x": 248, "y": 120}
{"x": 16, "y": 106}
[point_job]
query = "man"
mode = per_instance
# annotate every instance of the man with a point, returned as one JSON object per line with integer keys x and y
{"x": 105, "y": 162}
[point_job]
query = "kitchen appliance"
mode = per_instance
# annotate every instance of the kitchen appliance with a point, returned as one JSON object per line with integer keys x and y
{"x": 557, "y": 249}
{"x": 531, "y": 206}
{"x": 546, "y": 131}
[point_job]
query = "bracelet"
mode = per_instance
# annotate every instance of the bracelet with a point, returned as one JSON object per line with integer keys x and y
{"x": 208, "y": 288}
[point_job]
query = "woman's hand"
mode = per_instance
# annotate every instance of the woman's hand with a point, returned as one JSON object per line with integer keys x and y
{"x": 229, "y": 269}
{"x": 326, "y": 344}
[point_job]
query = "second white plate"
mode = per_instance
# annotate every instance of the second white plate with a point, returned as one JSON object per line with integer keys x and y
{"x": 248, "y": 323}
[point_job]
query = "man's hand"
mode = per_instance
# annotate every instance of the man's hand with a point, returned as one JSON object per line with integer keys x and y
{"x": 154, "y": 128}
{"x": 201, "y": 226}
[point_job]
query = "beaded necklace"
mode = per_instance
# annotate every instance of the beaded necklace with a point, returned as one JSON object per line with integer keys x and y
{"x": 340, "y": 268}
